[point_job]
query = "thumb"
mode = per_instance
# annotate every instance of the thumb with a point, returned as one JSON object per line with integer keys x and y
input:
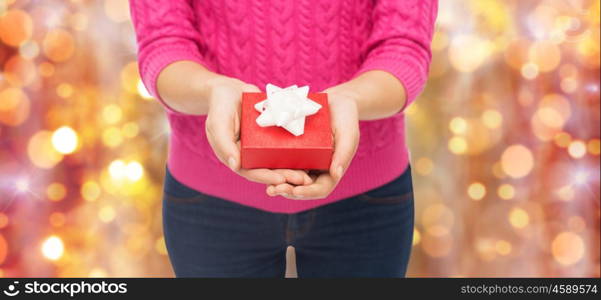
{"x": 250, "y": 88}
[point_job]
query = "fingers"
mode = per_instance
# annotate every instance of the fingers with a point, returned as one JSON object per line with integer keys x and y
{"x": 296, "y": 177}
{"x": 343, "y": 153}
{"x": 293, "y": 177}
{"x": 276, "y": 177}
{"x": 320, "y": 188}
{"x": 222, "y": 138}
{"x": 345, "y": 146}
{"x": 283, "y": 189}
{"x": 264, "y": 176}
{"x": 223, "y": 125}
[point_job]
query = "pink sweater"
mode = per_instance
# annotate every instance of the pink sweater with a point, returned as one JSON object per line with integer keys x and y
{"x": 319, "y": 43}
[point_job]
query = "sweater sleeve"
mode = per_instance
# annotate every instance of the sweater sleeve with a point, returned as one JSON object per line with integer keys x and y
{"x": 399, "y": 42}
{"x": 165, "y": 32}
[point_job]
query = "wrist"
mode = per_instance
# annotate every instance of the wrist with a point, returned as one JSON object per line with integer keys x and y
{"x": 204, "y": 83}
{"x": 222, "y": 90}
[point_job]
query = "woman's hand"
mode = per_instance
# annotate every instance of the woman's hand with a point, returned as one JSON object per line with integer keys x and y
{"x": 345, "y": 128}
{"x": 223, "y": 132}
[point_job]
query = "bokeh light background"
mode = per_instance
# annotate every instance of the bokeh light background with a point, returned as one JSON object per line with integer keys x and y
{"x": 504, "y": 141}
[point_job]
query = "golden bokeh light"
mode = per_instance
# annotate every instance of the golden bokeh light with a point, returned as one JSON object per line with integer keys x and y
{"x": 593, "y": 146}
{"x": 457, "y": 145}
{"x": 64, "y": 90}
{"x": 529, "y": 70}
{"x": 143, "y": 92}
{"x": 588, "y": 48}
{"x": 550, "y": 117}
{"x": 16, "y": 27}
{"x": 437, "y": 246}
{"x": 503, "y": 247}
{"x": 517, "y": 161}
{"x": 106, "y": 214}
{"x": 29, "y": 50}
{"x": 112, "y": 114}
{"x": 14, "y": 107}
{"x": 476, "y": 191}
{"x": 424, "y": 166}
{"x": 492, "y": 119}
{"x": 130, "y": 77}
{"x": 56, "y": 191}
{"x": 516, "y": 53}
{"x": 65, "y": 140}
{"x": 569, "y": 85}
{"x": 545, "y": 55}
{"x": 437, "y": 219}
{"x": 58, "y": 45}
{"x": 134, "y": 171}
{"x": 117, "y": 169}
{"x": 567, "y": 248}
{"x": 440, "y": 41}
{"x": 519, "y": 218}
{"x": 41, "y": 151}
{"x": 19, "y": 71}
{"x": 562, "y": 139}
{"x": 472, "y": 137}
{"x": 53, "y": 248}
{"x": 46, "y": 69}
{"x": 90, "y": 190}
{"x": 486, "y": 249}
{"x": 497, "y": 170}
{"x": 554, "y": 111}
{"x": 160, "y": 246}
{"x": 112, "y": 137}
{"x": 468, "y": 52}
{"x": 577, "y": 149}
{"x": 565, "y": 193}
{"x": 417, "y": 237}
{"x": 130, "y": 129}
{"x": 506, "y": 191}
{"x": 458, "y": 125}
{"x": 97, "y": 273}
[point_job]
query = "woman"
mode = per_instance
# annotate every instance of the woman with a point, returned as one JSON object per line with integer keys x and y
{"x": 371, "y": 57}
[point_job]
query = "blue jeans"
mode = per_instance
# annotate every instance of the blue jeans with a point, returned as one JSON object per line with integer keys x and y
{"x": 368, "y": 235}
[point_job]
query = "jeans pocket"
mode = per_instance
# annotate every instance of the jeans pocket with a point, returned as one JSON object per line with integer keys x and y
{"x": 399, "y": 190}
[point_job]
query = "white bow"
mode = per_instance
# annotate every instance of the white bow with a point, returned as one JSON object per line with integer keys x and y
{"x": 287, "y": 108}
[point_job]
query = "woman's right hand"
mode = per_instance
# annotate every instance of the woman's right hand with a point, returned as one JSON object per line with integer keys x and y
{"x": 223, "y": 132}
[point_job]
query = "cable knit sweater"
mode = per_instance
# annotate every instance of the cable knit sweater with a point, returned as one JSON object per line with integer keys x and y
{"x": 319, "y": 43}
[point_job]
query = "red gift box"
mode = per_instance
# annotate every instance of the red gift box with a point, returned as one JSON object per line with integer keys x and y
{"x": 274, "y": 147}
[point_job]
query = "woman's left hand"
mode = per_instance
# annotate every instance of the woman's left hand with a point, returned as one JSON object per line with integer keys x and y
{"x": 345, "y": 129}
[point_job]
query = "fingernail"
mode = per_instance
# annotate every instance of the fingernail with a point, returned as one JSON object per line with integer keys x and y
{"x": 232, "y": 163}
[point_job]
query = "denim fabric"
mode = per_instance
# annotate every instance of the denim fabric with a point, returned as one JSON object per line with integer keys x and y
{"x": 368, "y": 235}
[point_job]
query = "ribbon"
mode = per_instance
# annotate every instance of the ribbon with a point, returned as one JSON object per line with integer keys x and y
{"x": 286, "y": 108}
